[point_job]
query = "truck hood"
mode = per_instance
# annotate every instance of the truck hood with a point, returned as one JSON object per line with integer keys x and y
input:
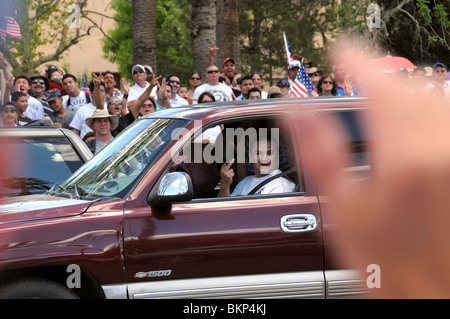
{"x": 33, "y": 207}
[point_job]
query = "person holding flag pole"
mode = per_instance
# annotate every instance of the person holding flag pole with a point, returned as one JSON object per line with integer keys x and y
{"x": 301, "y": 84}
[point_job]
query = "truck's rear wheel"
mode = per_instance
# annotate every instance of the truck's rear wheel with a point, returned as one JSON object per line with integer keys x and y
{"x": 34, "y": 288}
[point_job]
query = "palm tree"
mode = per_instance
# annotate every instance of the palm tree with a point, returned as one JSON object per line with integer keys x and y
{"x": 227, "y": 34}
{"x": 144, "y": 32}
{"x": 203, "y": 31}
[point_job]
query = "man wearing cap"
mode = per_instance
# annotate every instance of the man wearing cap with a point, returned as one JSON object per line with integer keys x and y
{"x": 60, "y": 114}
{"x": 284, "y": 87}
{"x": 102, "y": 123}
{"x": 39, "y": 85}
{"x": 293, "y": 68}
{"x": 230, "y": 77}
{"x": 439, "y": 83}
{"x": 140, "y": 83}
{"x": 315, "y": 74}
{"x": 78, "y": 124}
{"x": 274, "y": 92}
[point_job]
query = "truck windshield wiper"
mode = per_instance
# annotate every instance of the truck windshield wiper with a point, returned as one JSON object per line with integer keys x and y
{"x": 72, "y": 191}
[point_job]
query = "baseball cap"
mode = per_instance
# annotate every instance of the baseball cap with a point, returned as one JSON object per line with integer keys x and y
{"x": 439, "y": 64}
{"x": 136, "y": 67}
{"x": 283, "y": 83}
{"x": 226, "y": 60}
{"x": 274, "y": 90}
{"x": 294, "y": 64}
{"x": 53, "y": 95}
{"x": 148, "y": 68}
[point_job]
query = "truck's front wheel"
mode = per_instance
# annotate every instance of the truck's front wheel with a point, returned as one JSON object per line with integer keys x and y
{"x": 34, "y": 288}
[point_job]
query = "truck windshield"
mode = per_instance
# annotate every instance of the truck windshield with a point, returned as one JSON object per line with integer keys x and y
{"x": 119, "y": 166}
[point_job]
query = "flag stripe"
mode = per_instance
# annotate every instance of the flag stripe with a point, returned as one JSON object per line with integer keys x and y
{"x": 303, "y": 85}
{"x": 289, "y": 53}
{"x": 9, "y": 27}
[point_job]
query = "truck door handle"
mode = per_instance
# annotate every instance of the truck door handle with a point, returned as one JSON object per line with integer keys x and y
{"x": 298, "y": 223}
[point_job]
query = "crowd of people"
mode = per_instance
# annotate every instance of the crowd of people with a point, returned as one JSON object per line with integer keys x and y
{"x": 58, "y": 97}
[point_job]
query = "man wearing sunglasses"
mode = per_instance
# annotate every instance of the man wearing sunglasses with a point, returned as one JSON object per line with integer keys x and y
{"x": 140, "y": 83}
{"x": 439, "y": 83}
{"x": 221, "y": 91}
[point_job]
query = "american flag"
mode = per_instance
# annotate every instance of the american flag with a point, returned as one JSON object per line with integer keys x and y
{"x": 303, "y": 85}
{"x": 9, "y": 26}
{"x": 289, "y": 53}
{"x": 84, "y": 85}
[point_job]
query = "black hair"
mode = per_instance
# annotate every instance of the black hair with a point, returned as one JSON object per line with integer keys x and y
{"x": 65, "y": 76}
{"x": 22, "y": 77}
{"x": 92, "y": 86}
{"x": 16, "y": 96}
{"x": 253, "y": 89}
{"x": 200, "y": 98}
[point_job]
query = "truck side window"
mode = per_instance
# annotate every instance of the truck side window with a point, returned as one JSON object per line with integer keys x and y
{"x": 231, "y": 144}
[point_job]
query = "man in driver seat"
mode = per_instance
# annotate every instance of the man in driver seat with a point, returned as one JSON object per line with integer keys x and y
{"x": 264, "y": 156}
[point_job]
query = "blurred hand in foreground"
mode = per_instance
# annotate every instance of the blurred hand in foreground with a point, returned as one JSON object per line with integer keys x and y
{"x": 400, "y": 220}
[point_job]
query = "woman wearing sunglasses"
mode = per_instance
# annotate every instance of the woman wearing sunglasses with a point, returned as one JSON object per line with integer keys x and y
{"x": 327, "y": 86}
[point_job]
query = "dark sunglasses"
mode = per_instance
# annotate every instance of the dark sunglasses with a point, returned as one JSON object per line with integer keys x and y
{"x": 38, "y": 82}
{"x": 213, "y": 71}
{"x": 173, "y": 81}
{"x": 115, "y": 102}
{"x": 327, "y": 82}
{"x": 57, "y": 77}
{"x": 138, "y": 71}
{"x": 314, "y": 74}
{"x": 147, "y": 105}
{"x": 194, "y": 78}
{"x": 9, "y": 110}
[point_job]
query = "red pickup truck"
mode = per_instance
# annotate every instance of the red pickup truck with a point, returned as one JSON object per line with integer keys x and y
{"x": 142, "y": 219}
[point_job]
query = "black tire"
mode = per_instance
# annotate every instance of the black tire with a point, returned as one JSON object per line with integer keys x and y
{"x": 34, "y": 288}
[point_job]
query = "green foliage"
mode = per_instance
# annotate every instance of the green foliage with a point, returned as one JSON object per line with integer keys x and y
{"x": 435, "y": 20}
{"x": 173, "y": 47}
{"x": 120, "y": 51}
{"x": 424, "y": 11}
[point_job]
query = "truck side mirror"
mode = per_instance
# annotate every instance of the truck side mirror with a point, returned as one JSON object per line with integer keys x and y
{"x": 174, "y": 187}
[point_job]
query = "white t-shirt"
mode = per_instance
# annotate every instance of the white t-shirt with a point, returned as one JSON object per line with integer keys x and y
{"x": 178, "y": 101}
{"x": 136, "y": 91}
{"x": 76, "y": 102}
{"x": 35, "y": 110}
{"x": 80, "y": 117}
{"x": 446, "y": 88}
{"x": 263, "y": 95}
{"x": 221, "y": 92}
{"x": 278, "y": 185}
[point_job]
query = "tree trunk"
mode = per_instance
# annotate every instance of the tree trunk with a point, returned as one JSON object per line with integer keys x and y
{"x": 144, "y": 33}
{"x": 228, "y": 32}
{"x": 203, "y": 32}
